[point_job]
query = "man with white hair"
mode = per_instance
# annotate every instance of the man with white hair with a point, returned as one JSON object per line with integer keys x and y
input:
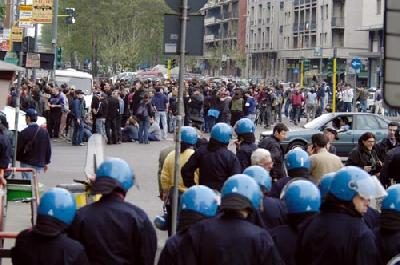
{"x": 262, "y": 157}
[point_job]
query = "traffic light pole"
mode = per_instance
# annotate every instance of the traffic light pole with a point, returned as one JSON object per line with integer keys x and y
{"x": 54, "y": 39}
{"x": 179, "y": 116}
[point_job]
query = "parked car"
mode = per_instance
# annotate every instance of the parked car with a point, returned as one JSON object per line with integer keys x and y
{"x": 358, "y": 124}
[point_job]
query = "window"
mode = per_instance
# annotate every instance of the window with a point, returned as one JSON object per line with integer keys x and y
{"x": 378, "y": 6}
{"x": 282, "y": 5}
{"x": 366, "y": 122}
{"x": 326, "y": 11}
{"x": 322, "y": 12}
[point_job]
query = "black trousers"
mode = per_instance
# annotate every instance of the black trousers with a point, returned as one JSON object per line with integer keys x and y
{"x": 54, "y": 122}
{"x": 111, "y": 130}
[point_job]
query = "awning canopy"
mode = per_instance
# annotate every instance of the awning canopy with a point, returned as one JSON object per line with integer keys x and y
{"x": 8, "y": 67}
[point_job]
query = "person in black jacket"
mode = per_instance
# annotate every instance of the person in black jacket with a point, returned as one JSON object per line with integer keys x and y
{"x": 33, "y": 146}
{"x": 215, "y": 162}
{"x": 388, "y": 143}
{"x": 111, "y": 118}
{"x": 390, "y": 172}
{"x": 5, "y": 153}
{"x": 112, "y": 230}
{"x": 245, "y": 144}
{"x": 364, "y": 155}
{"x": 77, "y": 111}
{"x": 272, "y": 144}
{"x": 47, "y": 242}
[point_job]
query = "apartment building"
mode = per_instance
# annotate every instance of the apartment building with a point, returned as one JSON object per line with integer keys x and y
{"x": 225, "y": 36}
{"x": 282, "y": 33}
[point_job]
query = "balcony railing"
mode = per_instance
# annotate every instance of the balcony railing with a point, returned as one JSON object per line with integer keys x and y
{"x": 337, "y": 22}
{"x": 209, "y": 38}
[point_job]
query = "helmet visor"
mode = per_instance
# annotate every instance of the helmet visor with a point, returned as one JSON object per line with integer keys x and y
{"x": 368, "y": 188}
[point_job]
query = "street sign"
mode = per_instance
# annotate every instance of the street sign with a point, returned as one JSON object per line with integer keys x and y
{"x": 42, "y": 11}
{"x": 32, "y": 60}
{"x": 25, "y": 16}
{"x": 392, "y": 56}
{"x": 194, "y": 5}
{"x": 11, "y": 57}
{"x": 16, "y": 34}
{"x": 356, "y": 63}
{"x": 295, "y": 71}
{"x": 172, "y": 32}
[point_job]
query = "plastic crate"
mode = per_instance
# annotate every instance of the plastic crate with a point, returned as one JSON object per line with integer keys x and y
{"x": 19, "y": 190}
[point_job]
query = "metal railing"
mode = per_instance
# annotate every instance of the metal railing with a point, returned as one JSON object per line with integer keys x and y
{"x": 338, "y": 22}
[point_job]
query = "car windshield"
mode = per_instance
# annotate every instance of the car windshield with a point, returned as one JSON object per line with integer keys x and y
{"x": 84, "y": 84}
{"x": 318, "y": 122}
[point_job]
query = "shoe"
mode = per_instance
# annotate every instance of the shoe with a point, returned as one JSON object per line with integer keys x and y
{"x": 82, "y": 144}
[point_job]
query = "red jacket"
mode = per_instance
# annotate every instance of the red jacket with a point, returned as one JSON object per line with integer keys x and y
{"x": 297, "y": 99}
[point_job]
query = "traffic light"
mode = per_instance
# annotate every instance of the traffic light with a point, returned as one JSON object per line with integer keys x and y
{"x": 70, "y": 19}
{"x": 59, "y": 57}
{"x": 173, "y": 64}
{"x": 306, "y": 65}
{"x": 329, "y": 65}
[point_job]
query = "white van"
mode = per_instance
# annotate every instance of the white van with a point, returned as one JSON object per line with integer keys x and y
{"x": 81, "y": 80}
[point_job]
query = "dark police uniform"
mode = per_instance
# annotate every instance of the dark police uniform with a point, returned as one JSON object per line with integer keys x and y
{"x": 244, "y": 152}
{"x": 215, "y": 167}
{"x": 115, "y": 232}
{"x": 274, "y": 212}
{"x": 35, "y": 248}
{"x": 391, "y": 166}
{"x": 227, "y": 240}
{"x": 273, "y": 145}
{"x": 170, "y": 252}
{"x": 371, "y": 218}
{"x": 336, "y": 237}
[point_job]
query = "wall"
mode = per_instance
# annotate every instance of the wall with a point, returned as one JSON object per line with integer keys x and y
{"x": 370, "y": 16}
{"x": 242, "y": 25}
{"x": 353, "y": 37}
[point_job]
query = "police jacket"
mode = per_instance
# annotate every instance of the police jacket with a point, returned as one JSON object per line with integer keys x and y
{"x": 214, "y": 242}
{"x": 388, "y": 235}
{"x": 215, "y": 163}
{"x": 243, "y": 154}
{"x": 278, "y": 186}
{"x": 47, "y": 246}
{"x": 338, "y": 235}
{"x": 115, "y": 232}
{"x": 273, "y": 145}
{"x": 274, "y": 212}
{"x": 391, "y": 166}
{"x": 40, "y": 153}
{"x": 170, "y": 252}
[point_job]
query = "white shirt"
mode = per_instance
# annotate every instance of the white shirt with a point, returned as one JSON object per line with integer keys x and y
{"x": 347, "y": 95}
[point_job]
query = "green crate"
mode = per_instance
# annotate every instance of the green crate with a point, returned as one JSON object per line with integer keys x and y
{"x": 19, "y": 192}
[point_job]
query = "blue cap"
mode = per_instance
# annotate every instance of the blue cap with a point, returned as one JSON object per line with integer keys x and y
{"x": 392, "y": 200}
{"x": 297, "y": 159}
{"x": 59, "y": 204}
{"x": 113, "y": 173}
{"x": 245, "y": 186}
{"x": 189, "y": 135}
{"x": 244, "y": 126}
{"x": 200, "y": 199}
{"x": 221, "y": 132}
{"x": 325, "y": 184}
{"x": 301, "y": 196}
{"x": 32, "y": 113}
{"x": 260, "y": 175}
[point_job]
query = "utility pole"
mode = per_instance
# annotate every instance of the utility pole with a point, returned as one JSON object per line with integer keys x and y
{"x": 179, "y": 116}
{"x": 35, "y": 49}
{"x": 54, "y": 38}
{"x": 302, "y": 74}
{"x": 334, "y": 82}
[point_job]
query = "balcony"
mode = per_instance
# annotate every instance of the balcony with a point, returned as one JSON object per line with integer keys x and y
{"x": 210, "y": 20}
{"x": 338, "y": 22}
{"x": 305, "y": 27}
{"x": 302, "y": 2}
{"x": 209, "y": 38}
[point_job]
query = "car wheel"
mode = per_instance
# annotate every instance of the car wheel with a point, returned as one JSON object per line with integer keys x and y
{"x": 295, "y": 144}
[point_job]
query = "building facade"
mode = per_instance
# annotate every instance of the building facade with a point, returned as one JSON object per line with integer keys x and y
{"x": 282, "y": 33}
{"x": 225, "y": 37}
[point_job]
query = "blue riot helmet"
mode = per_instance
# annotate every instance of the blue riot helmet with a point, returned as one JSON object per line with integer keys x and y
{"x": 200, "y": 199}
{"x": 244, "y": 126}
{"x": 59, "y": 204}
{"x": 325, "y": 183}
{"x": 244, "y": 186}
{"x": 392, "y": 200}
{"x": 351, "y": 181}
{"x": 261, "y": 176}
{"x": 113, "y": 173}
{"x": 221, "y": 132}
{"x": 297, "y": 159}
{"x": 189, "y": 135}
{"x": 301, "y": 196}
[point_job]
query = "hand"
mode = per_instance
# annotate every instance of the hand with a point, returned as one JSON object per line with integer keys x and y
{"x": 46, "y": 167}
{"x": 78, "y": 121}
{"x": 164, "y": 195}
{"x": 367, "y": 168}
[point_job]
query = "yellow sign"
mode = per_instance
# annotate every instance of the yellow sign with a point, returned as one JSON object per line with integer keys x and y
{"x": 42, "y": 11}
{"x": 17, "y": 34}
{"x": 25, "y": 16}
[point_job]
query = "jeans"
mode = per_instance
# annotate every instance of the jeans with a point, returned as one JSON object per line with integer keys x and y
{"x": 54, "y": 122}
{"x": 111, "y": 130}
{"x": 310, "y": 111}
{"x": 77, "y": 135}
{"x": 364, "y": 105}
{"x": 321, "y": 103}
{"x": 101, "y": 126}
{"x": 347, "y": 106}
{"x": 162, "y": 115}
{"x": 130, "y": 133}
{"x": 268, "y": 116}
{"x": 172, "y": 123}
{"x": 28, "y": 175}
{"x": 144, "y": 131}
{"x": 252, "y": 117}
{"x": 296, "y": 114}
{"x": 287, "y": 105}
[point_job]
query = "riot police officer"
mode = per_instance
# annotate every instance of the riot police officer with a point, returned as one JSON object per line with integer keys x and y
{"x": 215, "y": 162}
{"x": 114, "y": 231}
{"x": 388, "y": 235}
{"x": 197, "y": 203}
{"x": 338, "y": 234}
{"x": 47, "y": 243}
{"x": 245, "y": 145}
{"x": 274, "y": 211}
{"x": 298, "y": 165}
{"x": 230, "y": 238}
{"x": 303, "y": 200}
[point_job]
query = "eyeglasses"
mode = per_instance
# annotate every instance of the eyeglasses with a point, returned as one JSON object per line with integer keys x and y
{"x": 371, "y": 141}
